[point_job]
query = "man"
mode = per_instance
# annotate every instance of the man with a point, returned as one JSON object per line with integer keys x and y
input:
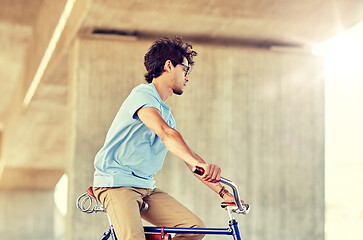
{"x": 137, "y": 142}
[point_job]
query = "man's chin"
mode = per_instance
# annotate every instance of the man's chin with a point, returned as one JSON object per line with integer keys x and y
{"x": 178, "y": 92}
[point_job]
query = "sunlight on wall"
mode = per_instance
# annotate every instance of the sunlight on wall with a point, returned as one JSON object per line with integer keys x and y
{"x": 344, "y": 134}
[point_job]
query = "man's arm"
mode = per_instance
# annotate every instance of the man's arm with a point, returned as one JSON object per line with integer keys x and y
{"x": 175, "y": 143}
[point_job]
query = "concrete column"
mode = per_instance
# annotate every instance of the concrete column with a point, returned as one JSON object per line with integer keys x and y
{"x": 259, "y": 115}
{"x": 26, "y": 215}
{"x": 102, "y": 73}
{"x": 256, "y": 113}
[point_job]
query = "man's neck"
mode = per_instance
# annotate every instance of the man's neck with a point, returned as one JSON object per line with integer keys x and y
{"x": 163, "y": 88}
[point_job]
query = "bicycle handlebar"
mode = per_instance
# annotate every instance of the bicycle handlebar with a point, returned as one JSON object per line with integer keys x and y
{"x": 242, "y": 208}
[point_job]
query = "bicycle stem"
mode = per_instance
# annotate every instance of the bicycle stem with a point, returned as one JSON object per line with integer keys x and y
{"x": 243, "y": 209}
{"x": 235, "y": 192}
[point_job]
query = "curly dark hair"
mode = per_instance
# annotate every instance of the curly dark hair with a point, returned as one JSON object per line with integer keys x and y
{"x": 173, "y": 49}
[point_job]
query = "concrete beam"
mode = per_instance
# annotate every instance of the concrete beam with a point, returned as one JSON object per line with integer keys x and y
{"x": 34, "y": 129}
{"x": 22, "y": 12}
{"x": 33, "y": 140}
{"x": 29, "y": 178}
{"x": 57, "y": 25}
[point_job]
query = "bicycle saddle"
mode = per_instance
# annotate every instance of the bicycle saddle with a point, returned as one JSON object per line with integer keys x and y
{"x": 90, "y": 192}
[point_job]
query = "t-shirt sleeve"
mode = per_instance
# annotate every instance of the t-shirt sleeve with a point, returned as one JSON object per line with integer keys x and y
{"x": 139, "y": 99}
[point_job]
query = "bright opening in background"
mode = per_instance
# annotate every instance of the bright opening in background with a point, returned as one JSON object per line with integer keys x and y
{"x": 61, "y": 195}
{"x": 344, "y": 134}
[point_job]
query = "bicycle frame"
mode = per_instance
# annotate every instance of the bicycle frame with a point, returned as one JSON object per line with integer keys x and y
{"x": 232, "y": 230}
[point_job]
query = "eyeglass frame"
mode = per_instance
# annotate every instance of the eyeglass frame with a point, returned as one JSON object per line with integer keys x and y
{"x": 187, "y": 69}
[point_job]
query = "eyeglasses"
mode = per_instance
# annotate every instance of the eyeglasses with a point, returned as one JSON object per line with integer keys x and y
{"x": 187, "y": 69}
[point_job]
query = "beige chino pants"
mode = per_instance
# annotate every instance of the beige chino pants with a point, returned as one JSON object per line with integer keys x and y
{"x": 123, "y": 207}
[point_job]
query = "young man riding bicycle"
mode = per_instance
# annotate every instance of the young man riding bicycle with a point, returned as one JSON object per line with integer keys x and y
{"x": 137, "y": 142}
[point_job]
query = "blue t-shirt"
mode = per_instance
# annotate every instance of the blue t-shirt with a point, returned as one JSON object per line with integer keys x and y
{"x": 132, "y": 153}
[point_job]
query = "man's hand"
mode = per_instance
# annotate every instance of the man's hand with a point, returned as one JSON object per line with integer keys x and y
{"x": 212, "y": 173}
{"x": 228, "y": 197}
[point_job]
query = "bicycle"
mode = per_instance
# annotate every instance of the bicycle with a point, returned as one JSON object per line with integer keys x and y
{"x": 88, "y": 203}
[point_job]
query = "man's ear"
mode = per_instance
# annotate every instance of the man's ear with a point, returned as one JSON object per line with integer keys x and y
{"x": 168, "y": 65}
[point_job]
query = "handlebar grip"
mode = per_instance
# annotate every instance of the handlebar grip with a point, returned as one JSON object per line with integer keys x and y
{"x": 198, "y": 170}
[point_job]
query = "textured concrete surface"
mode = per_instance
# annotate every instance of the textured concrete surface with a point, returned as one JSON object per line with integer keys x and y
{"x": 258, "y": 114}
{"x": 27, "y": 215}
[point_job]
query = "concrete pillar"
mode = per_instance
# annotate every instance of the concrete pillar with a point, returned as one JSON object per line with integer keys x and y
{"x": 26, "y": 215}
{"x": 259, "y": 115}
{"x": 256, "y": 113}
{"x": 102, "y": 73}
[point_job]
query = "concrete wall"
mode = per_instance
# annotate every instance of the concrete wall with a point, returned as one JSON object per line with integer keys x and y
{"x": 101, "y": 75}
{"x": 26, "y": 215}
{"x": 256, "y": 113}
{"x": 259, "y": 115}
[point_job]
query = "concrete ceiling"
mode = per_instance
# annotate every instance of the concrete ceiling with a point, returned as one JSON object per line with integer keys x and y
{"x": 16, "y": 23}
{"x": 279, "y": 21}
{"x": 26, "y": 28}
